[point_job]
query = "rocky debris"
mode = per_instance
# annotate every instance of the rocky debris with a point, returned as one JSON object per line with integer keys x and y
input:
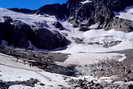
{"x": 110, "y": 68}
{"x": 120, "y": 25}
{"x": 42, "y": 60}
{"x": 78, "y": 40}
{"x": 84, "y": 15}
{"x": 84, "y": 84}
{"x": 105, "y": 43}
{"x": 47, "y": 39}
{"x": 84, "y": 28}
{"x": 20, "y": 34}
{"x": 6, "y": 84}
{"x": 94, "y": 84}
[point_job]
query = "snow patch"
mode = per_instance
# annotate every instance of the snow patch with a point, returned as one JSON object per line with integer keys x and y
{"x": 86, "y": 1}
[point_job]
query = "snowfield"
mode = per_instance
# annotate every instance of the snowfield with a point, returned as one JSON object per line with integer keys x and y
{"x": 31, "y": 19}
{"x": 11, "y": 70}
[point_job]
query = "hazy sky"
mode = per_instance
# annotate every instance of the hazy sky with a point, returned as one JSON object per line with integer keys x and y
{"x": 30, "y": 4}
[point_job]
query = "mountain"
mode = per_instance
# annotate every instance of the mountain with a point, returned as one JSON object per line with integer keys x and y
{"x": 84, "y": 13}
{"x": 82, "y": 44}
{"x": 22, "y": 10}
{"x": 60, "y": 11}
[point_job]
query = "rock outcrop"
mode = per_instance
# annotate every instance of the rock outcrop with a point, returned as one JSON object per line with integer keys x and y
{"x": 20, "y": 34}
{"x": 98, "y": 11}
{"x": 120, "y": 25}
{"x": 23, "y": 10}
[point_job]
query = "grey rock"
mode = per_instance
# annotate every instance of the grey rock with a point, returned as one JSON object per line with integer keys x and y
{"x": 101, "y": 12}
{"x": 18, "y": 34}
{"x": 120, "y": 25}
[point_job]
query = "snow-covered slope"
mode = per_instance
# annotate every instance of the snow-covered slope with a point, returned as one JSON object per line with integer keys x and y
{"x": 31, "y": 19}
{"x": 126, "y": 14}
{"x": 97, "y": 40}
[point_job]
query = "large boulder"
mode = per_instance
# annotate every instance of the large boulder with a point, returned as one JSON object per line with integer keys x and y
{"x": 20, "y": 34}
{"x": 16, "y": 34}
{"x": 89, "y": 13}
{"x": 23, "y": 10}
{"x": 120, "y": 24}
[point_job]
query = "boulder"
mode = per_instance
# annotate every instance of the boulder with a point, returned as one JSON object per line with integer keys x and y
{"x": 58, "y": 25}
{"x": 20, "y": 34}
{"x": 120, "y": 25}
{"x": 47, "y": 39}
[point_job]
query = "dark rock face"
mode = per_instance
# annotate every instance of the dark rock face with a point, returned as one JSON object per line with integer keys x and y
{"x": 60, "y": 11}
{"x": 97, "y": 11}
{"x": 49, "y": 40}
{"x": 7, "y": 84}
{"x": 58, "y": 25}
{"x": 18, "y": 34}
{"x": 42, "y": 60}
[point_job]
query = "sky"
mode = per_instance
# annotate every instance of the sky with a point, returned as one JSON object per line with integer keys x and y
{"x": 29, "y": 4}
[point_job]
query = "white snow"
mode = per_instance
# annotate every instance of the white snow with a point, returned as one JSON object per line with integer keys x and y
{"x": 84, "y": 53}
{"x": 10, "y": 70}
{"x": 80, "y": 53}
{"x": 92, "y": 58}
{"x": 86, "y": 1}
{"x": 126, "y": 14}
{"x": 100, "y": 36}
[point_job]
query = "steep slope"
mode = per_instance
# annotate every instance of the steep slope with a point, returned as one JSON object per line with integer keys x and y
{"x": 93, "y": 37}
{"x": 59, "y": 11}
{"x": 98, "y": 11}
{"x": 22, "y": 30}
